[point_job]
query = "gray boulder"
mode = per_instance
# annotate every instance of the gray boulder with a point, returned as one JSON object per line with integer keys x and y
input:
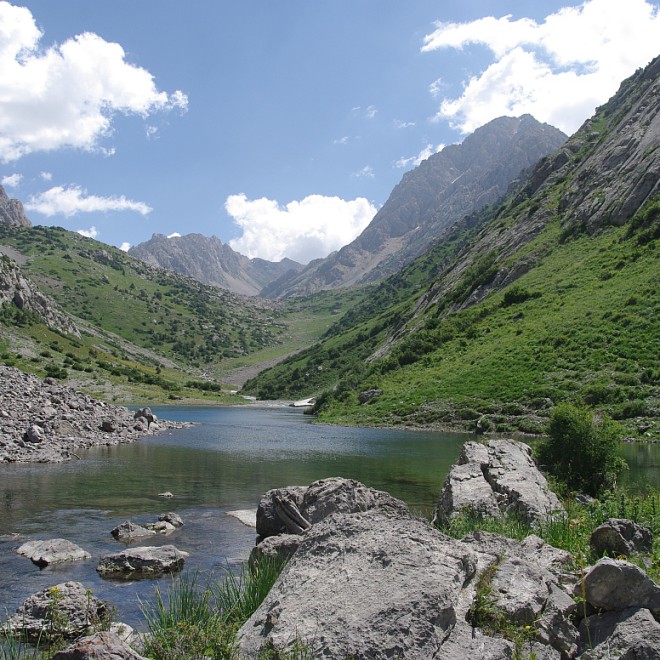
{"x": 172, "y": 518}
{"x": 77, "y": 611}
{"x": 142, "y": 562}
{"x": 618, "y": 585}
{"x": 269, "y": 522}
{"x": 619, "y": 536}
{"x": 128, "y": 531}
{"x": 631, "y": 634}
{"x": 52, "y": 551}
{"x": 99, "y": 646}
{"x": 281, "y": 547}
{"x": 376, "y": 584}
{"x": 499, "y": 477}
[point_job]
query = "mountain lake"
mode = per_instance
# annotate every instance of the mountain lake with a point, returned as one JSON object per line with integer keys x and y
{"x": 224, "y": 464}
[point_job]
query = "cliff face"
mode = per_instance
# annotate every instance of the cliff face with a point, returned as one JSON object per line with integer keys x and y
{"x": 12, "y": 212}
{"x": 460, "y": 180}
{"x": 207, "y": 260}
{"x": 16, "y": 290}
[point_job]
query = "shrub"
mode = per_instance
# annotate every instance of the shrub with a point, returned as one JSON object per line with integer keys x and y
{"x": 582, "y": 450}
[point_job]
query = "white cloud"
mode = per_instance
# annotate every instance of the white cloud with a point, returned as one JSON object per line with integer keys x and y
{"x": 367, "y": 171}
{"x": 125, "y": 246}
{"x": 341, "y": 140}
{"x": 371, "y": 111}
{"x": 427, "y": 151}
{"x": 73, "y": 200}
{"x": 46, "y": 176}
{"x": 66, "y": 95}
{"x": 302, "y": 230}
{"x": 174, "y": 235}
{"x": 558, "y": 70}
{"x": 398, "y": 123}
{"x": 11, "y": 180}
{"x": 92, "y": 232}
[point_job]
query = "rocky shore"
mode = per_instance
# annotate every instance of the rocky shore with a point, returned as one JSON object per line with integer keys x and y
{"x": 46, "y": 422}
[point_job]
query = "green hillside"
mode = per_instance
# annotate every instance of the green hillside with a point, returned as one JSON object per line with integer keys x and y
{"x": 553, "y": 296}
{"x": 145, "y": 332}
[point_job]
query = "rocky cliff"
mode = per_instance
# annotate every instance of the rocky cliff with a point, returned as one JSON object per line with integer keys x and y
{"x": 208, "y": 260}
{"x": 459, "y": 180}
{"x": 12, "y": 212}
{"x": 18, "y": 291}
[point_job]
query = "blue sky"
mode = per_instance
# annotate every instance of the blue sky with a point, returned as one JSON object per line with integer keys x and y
{"x": 280, "y": 127}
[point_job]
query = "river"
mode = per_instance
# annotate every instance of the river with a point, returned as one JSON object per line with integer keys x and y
{"x": 226, "y": 463}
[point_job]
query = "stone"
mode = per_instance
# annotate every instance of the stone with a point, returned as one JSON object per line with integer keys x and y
{"x": 376, "y": 583}
{"x": 160, "y": 527}
{"x": 281, "y": 547}
{"x": 495, "y": 478}
{"x": 166, "y": 494}
{"x": 52, "y": 551}
{"x": 127, "y": 531}
{"x": 369, "y": 395}
{"x": 621, "y": 537}
{"x": 630, "y": 634}
{"x": 77, "y": 610}
{"x": 268, "y": 522}
{"x": 142, "y": 562}
{"x": 172, "y": 518}
{"x": 35, "y": 434}
{"x": 247, "y": 516}
{"x": 109, "y": 426}
{"x": 513, "y": 475}
{"x": 618, "y": 585}
{"x": 338, "y": 495}
{"x": 99, "y": 646}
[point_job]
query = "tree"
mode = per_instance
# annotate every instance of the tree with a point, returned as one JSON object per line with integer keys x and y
{"x": 582, "y": 449}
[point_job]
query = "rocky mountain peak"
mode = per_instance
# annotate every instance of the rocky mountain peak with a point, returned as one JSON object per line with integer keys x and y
{"x": 12, "y": 212}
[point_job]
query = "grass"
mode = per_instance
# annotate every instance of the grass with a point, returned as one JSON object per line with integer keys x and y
{"x": 571, "y": 531}
{"x": 195, "y": 620}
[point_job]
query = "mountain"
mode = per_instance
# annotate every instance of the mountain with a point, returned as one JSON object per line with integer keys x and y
{"x": 553, "y": 295}
{"x": 208, "y": 260}
{"x": 459, "y": 180}
{"x": 12, "y": 212}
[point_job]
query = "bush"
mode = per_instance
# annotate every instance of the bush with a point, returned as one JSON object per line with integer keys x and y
{"x": 582, "y": 450}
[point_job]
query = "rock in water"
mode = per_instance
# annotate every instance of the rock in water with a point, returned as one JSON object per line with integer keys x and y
{"x": 52, "y": 551}
{"x": 142, "y": 562}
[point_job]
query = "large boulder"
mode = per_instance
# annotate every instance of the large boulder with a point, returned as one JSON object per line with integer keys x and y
{"x": 269, "y": 522}
{"x": 619, "y": 536}
{"x": 142, "y": 562}
{"x": 496, "y": 478}
{"x": 617, "y": 585}
{"x": 631, "y": 634}
{"x": 52, "y": 551}
{"x": 128, "y": 531}
{"x": 66, "y": 610}
{"x": 377, "y": 584}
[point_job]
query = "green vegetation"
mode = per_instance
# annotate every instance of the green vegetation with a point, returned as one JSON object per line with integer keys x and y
{"x": 196, "y": 621}
{"x": 146, "y": 334}
{"x": 571, "y": 532}
{"x": 582, "y": 450}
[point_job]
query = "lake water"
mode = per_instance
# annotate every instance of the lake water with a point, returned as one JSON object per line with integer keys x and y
{"x": 225, "y": 463}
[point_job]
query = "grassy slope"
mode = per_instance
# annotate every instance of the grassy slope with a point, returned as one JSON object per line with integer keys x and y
{"x": 147, "y": 333}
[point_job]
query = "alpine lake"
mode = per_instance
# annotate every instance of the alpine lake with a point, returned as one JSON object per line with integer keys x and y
{"x": 224, "y": 463}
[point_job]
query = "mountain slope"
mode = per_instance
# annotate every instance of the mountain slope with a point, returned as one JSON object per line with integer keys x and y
{"x": 455, "y": 182}
{"x": 554, "y": 295}
{"x": 12, "y": 213}
{"x": 208, "y": 260}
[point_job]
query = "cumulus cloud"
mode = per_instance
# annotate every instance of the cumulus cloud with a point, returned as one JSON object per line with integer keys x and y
{"x": 11, "y": 180}
{"x": 66, "y": 95}
{"x": 46, "y": 176}
{"x": 92, "y": 232}
{"x": 427, "y": 151}
{"x": 125, "y": 246}
{"x": 558, "y": 70}
{"x": 73, "y": 200}
{"x": 302, "y": 230}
